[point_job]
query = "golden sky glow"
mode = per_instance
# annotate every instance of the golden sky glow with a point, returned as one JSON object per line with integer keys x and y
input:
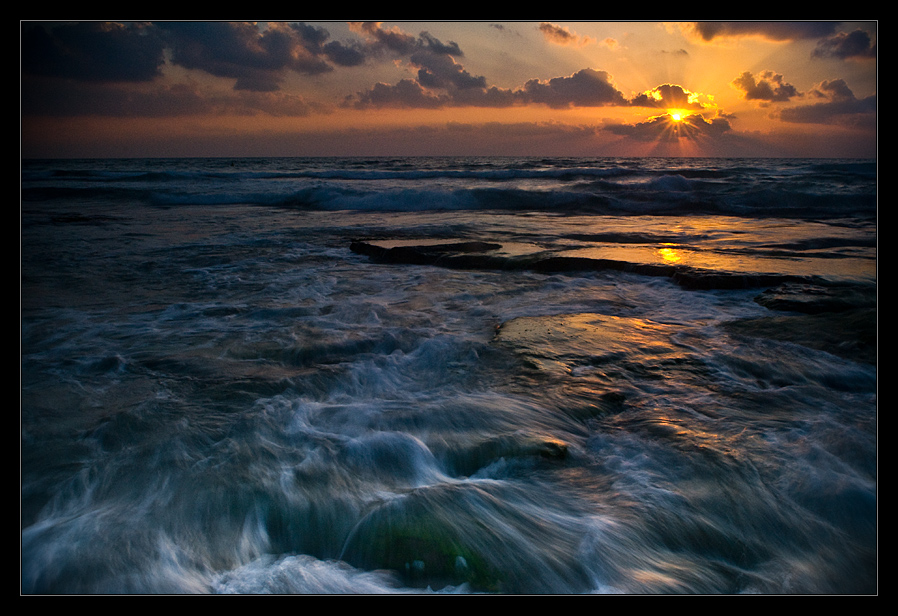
{"x": 397, "y": 88}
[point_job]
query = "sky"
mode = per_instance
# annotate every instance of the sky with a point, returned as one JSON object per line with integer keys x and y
{"x": 535, "y": 88}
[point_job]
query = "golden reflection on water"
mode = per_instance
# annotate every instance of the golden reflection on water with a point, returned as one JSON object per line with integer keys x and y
{"x": 712, "y": 243}
{"x": 731, "y": 260}
{"x": 668, "y": 254}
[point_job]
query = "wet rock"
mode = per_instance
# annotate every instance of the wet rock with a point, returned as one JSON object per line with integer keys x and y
{"x": 816, "y": 299}
{"x": 850, "y": 334}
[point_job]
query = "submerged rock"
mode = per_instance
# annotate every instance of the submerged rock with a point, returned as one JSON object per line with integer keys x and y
{"x": 474, "y": 255}
{"x": 467, "y": 533}
{"x": 816, "y": 299}
{"x": 517, "y": 445}
{"x": 415, "y": 539}
{"x": 450, "y": 254}
{"x": 840, "y": 320}
{"x": 850, "y": 334}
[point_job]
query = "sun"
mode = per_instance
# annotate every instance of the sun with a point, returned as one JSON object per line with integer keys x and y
{"x": 676, "y": 115}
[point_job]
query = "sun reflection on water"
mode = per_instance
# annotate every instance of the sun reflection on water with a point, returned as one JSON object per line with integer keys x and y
{"x": 669, "y": 254}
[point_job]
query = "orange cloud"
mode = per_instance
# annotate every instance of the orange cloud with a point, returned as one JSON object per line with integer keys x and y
{"x": 669, "y": 96}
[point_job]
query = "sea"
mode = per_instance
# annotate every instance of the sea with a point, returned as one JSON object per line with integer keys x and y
{"x": 449, "y": 376}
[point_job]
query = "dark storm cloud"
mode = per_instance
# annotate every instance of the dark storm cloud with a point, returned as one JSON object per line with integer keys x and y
{"x": 257, "y": 58}
{"x": 847, "y": 45}
{"x": 92, "y": 51}
{"x": 585, "y": 88}
{"x": 401, "y": 43}
{"x": 406, "y": 93}
{"x": 343, "y": 55}
{"x": 837, "y": 105}
{"x": 436, "y": 46}
{"x": 767, "y": 87}
{"x": 315, "y": 40}
{"x": 439, "y": 70}
{"x": 773, "y": 30}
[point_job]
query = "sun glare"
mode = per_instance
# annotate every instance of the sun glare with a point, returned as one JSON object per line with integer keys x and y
{"x": 677, "y": 115}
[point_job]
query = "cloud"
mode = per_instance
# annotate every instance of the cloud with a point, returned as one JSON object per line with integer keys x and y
{"x": 117, "y": 70}
{"x": 779, "y": 31}
{"x": 436, "y": 67}
{"x": 443, "y": 82}
{"x": 768, "y": 87}
{"x": 660, "y": 128}
{"x": 393, "y": 39}
{"x": 833, "y": 101}
{"x": 407, "y": 93}
{"x": 257, "y": 58}
{"x": 92, "y": 51}
{"x": 668, "y": 96}
{"x": 561, "y": 35}
{"x": 398, "y": 42}
{"x": 847, "y": 45}
{"x": 837, "y": 105}
{"x": 440, "y": 70}
{"x": 315, "y": 41}
{"x": 585, "y": 88}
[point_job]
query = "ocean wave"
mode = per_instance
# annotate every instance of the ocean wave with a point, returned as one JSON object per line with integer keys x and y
{"x": 755, "y": 188}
